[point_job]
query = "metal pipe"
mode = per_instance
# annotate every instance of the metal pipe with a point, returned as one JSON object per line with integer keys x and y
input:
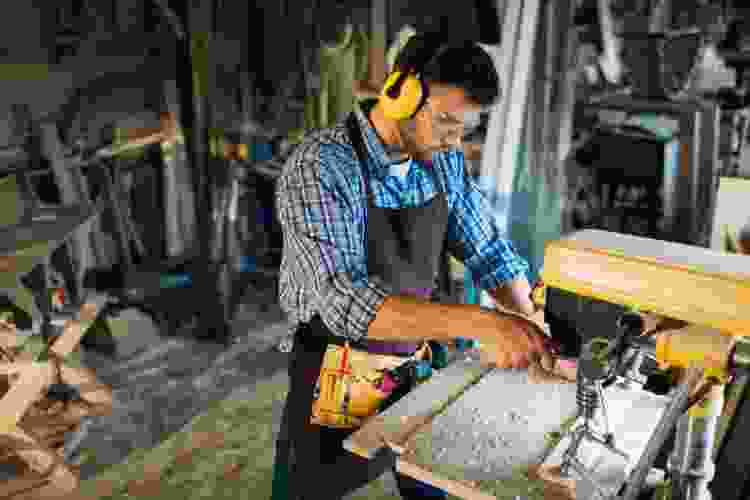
{"x": 172, "y": 18}
{"x": 74, "y": 440}
{"x": 194, "y": 85}
{"x": 112, "y": 194}
{"x": 698, "y": 468}
{"x": 15, "y": 153}
{"x": 677, "y": 458}
{"x": 667, "y": 422}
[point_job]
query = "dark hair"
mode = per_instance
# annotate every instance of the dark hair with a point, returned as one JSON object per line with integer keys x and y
{"x": 463, "y": 64}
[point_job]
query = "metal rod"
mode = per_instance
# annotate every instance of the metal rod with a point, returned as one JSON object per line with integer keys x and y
{"x": 13, "y": 153}
{"x": 172, "y": 18}
{"x": 669, "y": 418}
{"x": 194, "y": 86}
{"x": 74, "y": 440}
{"x": 112, "y": 192}
{"x": 698, "y": 467}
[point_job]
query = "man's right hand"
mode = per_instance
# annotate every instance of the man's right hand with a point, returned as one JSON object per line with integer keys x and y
{"x": 512, "y": 341}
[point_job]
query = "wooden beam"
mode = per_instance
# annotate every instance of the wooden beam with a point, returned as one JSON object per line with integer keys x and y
{"x": 683, "y": 282}
{"x": 33, "y": 379}
{"x": 454, "y": 488}
{"x": 75, "y": 329}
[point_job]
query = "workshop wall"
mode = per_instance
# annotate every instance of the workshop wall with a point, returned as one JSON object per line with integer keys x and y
{"x": 454, "y": 18}
{"x": 25, "y": 75}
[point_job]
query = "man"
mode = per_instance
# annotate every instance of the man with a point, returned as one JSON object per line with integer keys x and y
{"x": 365, "y": 208}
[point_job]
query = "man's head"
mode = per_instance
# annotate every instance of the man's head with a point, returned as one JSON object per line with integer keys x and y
{"x": 459, "y": 79}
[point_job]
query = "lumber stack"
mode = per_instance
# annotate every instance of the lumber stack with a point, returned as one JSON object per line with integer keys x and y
{"x": 43, "y": 399}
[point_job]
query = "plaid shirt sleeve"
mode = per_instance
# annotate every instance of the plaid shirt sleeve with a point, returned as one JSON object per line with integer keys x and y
{"x": 321, "y": 246}
{"x": 474, "y": 237}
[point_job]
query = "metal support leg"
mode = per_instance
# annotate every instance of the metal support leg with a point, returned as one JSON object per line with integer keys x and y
{"x": 677, "y": 459}
{"x": 698, "y": 434}
{"x": 669, "y": 418}
{"x": 193, "y": 82}
{"x": 122, "y": 230}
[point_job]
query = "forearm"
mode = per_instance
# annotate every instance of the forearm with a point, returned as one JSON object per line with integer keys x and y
{"x": 409, "y": 319}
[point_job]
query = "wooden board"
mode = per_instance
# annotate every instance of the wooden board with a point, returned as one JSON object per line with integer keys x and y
{"x": 75, "y": 329}
{"x": 49, "y": 226}
{"x": 35, "y": 377}
{"x": 408, "y": 428}
{"x": 415, "y": 427}
{"x": 60, "y": 483}
{"x": 684, "y": 282}
{"x": 483, "y": 444}
{"x": 32, "y": 380}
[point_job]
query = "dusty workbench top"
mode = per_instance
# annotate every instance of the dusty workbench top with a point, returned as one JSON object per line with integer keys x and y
{"x": 468, "y": 429}
{"x": 48, "y": 228}
{"x": 475, "y": 431}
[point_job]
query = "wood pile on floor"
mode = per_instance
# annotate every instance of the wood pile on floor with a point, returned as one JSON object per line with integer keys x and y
{"x": 44, "y": 399}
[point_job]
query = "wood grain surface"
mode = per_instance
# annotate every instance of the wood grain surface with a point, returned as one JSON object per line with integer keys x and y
{"x": 683, "y": 282}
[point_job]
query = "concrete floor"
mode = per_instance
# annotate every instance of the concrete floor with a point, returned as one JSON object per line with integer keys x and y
{"x": 161, "y": 383}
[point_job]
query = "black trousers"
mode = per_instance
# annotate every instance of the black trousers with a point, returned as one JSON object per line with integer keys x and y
{"x": 312, "y": 458}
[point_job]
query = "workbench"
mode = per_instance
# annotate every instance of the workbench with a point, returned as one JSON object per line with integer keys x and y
{"x": 474, "y": 431}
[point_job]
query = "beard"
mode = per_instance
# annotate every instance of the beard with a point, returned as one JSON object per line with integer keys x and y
{"x": 411, "y": 146}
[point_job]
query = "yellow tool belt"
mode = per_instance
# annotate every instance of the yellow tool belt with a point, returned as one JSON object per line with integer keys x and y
{"x": 350, "y": 385}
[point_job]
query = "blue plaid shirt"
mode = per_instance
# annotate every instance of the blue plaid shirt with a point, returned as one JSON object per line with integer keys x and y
{"x": 322, "y": 207}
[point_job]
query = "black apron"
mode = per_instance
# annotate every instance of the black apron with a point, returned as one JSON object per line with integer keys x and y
{"x": 404, "y": 249}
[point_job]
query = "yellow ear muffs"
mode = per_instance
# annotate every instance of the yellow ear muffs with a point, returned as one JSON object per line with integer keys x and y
{"x": 402, "y": 96}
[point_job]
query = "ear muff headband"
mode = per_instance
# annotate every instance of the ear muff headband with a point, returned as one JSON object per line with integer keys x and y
{"x": 405, "y": 92}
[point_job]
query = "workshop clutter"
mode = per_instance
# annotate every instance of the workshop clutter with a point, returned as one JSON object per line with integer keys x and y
{"x": 46, "y": 401}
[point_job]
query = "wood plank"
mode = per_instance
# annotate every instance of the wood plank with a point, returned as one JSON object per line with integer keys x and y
{"x": 22, "y": 394}
{"x": 451, "y": 487}
{"x": 684, "y": 282}
{"x": 547, "y": 407}
{"x": 8, "y": 337}
{"x": 75, "y": 329}
{"x": 488, "y": 438}
{"x": 28, "y": 450}
{"x": 410, "y": 428}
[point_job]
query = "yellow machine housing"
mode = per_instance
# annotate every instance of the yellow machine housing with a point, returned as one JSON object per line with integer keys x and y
{"x": 707, "y": 289}
{"x": 684, "y": 282}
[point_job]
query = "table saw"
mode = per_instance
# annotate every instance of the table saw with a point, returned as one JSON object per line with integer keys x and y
{"x": 478, "y": 432}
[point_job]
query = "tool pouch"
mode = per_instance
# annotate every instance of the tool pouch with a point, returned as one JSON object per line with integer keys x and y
{"x": 354, "y": 385}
